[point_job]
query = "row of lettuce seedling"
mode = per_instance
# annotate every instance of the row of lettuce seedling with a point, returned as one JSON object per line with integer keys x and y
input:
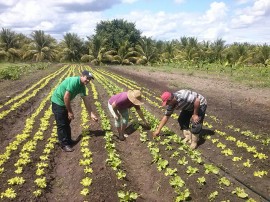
{"x": 194, "y": 170}
{"x": 32, "y": 92}
{"x": 113, "y": 160}
{"x": 264, "y": 139}
{"x": 225, "y": 151}
{"x": 30, "y": 147}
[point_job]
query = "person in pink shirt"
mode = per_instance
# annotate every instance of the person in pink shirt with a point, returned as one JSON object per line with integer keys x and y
{"x": 120, "y": 103}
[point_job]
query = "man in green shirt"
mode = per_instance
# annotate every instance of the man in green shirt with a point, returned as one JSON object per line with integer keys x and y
{"x": 61, "y": 106}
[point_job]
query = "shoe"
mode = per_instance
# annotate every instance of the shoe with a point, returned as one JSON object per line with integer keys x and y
{"x": 67, "y": 148}
{"x": 125, "y": 135}
{"x": 121, "y": 137}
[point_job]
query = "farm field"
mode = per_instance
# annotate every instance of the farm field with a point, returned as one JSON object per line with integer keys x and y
{"x": 230, "y": 164}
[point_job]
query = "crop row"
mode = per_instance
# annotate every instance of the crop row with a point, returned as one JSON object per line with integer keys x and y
{"x": 131, "y": 85}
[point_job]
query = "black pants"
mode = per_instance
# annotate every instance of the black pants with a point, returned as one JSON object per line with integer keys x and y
{"x": 63, "y": 124}
{"x": 185, "y": 116}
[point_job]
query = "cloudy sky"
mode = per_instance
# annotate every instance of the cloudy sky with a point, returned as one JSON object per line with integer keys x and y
{"x": 231, "y": 20}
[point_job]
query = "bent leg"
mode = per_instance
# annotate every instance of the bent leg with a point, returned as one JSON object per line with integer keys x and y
{"x": 184, "y": 121}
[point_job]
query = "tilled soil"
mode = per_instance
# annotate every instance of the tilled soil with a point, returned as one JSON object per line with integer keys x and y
{"x": 232, "y": 104}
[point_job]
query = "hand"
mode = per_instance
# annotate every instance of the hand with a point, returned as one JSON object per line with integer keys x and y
{"x": 93, "y": 117}
{"x": 155, "y": 134}
{"x": 195, "y": 118}
{"x": 70, "y": 116}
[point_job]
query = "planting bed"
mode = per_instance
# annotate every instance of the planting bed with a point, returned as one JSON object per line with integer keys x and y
{"x": 234, "y": 142}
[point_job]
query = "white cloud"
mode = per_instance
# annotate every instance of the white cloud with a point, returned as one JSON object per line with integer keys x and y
{"x": 8, "y": 2}
{"x": 232, "y": 22}
{"x": 44, "y": 25}
{"x": 164, "y": 26}
{"x": 250, "y": 15}
{"x": 242, "y": 1}
{"x": 218, "y": 31}
{"x": 217, "y": 11}
{"x": 84, "y": 24}
{"x": 179, "y": 1}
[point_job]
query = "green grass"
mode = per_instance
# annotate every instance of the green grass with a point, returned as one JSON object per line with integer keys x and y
{"x": 248, "y": 75}
{"x": 14, "y": 71}
{"x": 4, "y": 65}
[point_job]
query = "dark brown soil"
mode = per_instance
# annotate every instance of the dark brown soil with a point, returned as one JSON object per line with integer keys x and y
{"x": 230, "y": 103}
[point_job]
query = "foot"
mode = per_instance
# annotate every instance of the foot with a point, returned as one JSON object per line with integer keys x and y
{"x": 186, "y": 140}
{"x": 122, "y": 137}
{"x": 67, "y": 148}
{"x": 193, "y": 145}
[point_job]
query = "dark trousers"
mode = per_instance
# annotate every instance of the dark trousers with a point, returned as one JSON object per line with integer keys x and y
{"x": 63, "y": 124}
{"x": 185, "y": 116}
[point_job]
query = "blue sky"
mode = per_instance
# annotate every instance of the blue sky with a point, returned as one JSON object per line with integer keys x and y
{"x": 231, "y": 20}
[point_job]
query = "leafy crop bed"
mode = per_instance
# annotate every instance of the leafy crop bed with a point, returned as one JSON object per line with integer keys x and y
{"x": 231, "y": 163}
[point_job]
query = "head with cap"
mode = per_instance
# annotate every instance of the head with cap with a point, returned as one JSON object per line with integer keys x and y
{"x": 86, "y": 77}
{"x": 135, "y": 96}
{"x": 165, "y": 97}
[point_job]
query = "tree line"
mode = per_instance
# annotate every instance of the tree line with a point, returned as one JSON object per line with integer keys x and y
{"x": 119, "y": 42}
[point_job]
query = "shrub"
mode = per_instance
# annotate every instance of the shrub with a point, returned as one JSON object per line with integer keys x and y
{"x": 12, "y": 73}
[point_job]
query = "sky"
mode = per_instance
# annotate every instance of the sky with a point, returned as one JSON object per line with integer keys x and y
{"x": 206, "y": 20}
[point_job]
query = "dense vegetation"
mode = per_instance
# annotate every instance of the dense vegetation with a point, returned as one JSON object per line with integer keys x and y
{"x": 119, "y": 42}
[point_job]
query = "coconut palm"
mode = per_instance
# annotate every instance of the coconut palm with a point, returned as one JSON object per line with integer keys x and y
{"x": 189, "y": 50}
{"x": 73, "y": 48}
{"x": 237, "y": 54}
{"x": 42, "y": 47}
{"x": 125, "y": 54}
{"x": 170, "y": 51}
{"x": 217, "y": 49}
{"x": 9, "y": 45}
{"x": 147, "y": 51}
{"x": 96, "y": 49}
{"x": 263, "y": 54}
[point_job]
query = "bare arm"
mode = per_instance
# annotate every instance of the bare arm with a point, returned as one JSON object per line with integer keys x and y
{"x": 68, "y": 106}
{"x": 195, "y": 117}
{"x": 161, "y": 124}
{"x": 115, "y": 109}
{"x": 139, "y": 111}
{"x": 87, "y": 104}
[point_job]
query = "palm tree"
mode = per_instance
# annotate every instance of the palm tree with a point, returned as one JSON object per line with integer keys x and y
{"x": 263, "y": 55}
{"x": 73, "y": 47}
{"x": 96, "y": 48}
{"x": 204, "y": 54}
{"x": 147, "y": 51}
{"x": 189, "y": 50}
{"x": 42, "y": 47}
{"x": 217, "y": 48}
{"x": 170, "y": 51}
{"x": 237, "y": 54}
{"x": 122, "y": 56}
{"x": 9, "y": 45}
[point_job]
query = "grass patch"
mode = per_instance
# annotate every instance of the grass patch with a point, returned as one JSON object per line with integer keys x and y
{"x": 13, "y": 71}
{"x": 252, "y": 76}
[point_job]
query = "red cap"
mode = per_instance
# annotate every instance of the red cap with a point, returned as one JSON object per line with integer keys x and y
{"x": 165, "y": 97}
